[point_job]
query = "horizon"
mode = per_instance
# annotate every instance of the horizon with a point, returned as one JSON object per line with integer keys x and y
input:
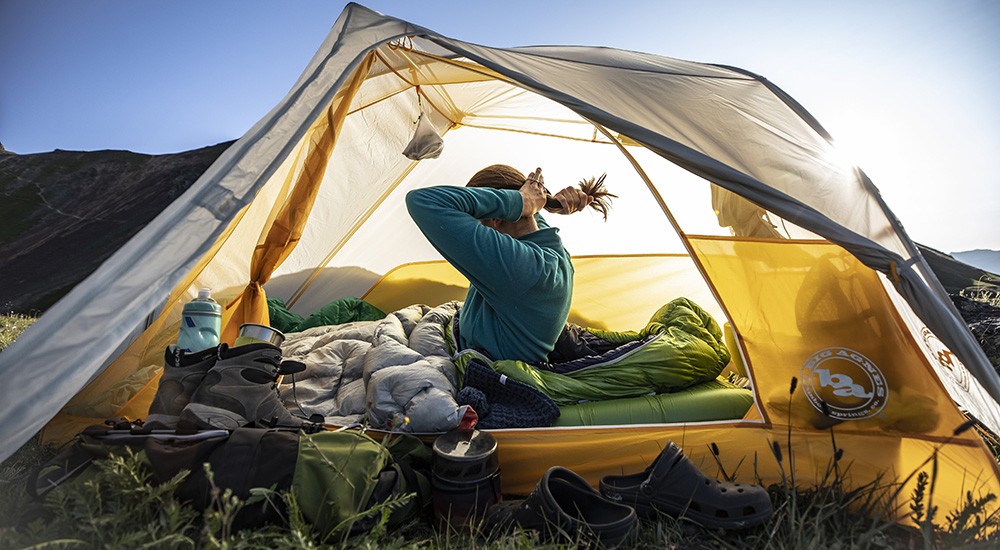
{"x": 908, "y": 95}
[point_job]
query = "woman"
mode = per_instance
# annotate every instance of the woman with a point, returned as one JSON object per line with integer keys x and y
{"x": 521, "y": 277}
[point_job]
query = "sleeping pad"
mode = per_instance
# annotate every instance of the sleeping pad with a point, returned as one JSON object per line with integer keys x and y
{"x": 679, "y": 347}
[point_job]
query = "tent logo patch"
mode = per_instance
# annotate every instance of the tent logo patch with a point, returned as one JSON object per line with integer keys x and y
{"x": 850, "y": 384}
{"x": 949, "y": 364}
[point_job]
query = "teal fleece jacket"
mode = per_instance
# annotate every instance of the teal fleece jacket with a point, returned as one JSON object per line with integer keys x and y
{"x": 520, "y": 291}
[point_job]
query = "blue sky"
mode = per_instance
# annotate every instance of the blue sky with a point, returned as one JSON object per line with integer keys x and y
{"x": 908, "y": 88}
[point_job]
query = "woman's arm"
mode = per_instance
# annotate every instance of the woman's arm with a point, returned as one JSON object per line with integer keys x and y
{"x": 450, "y": 219}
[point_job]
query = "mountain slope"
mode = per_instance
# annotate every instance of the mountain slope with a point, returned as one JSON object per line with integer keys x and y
{"x": 953, "y": 274}
{"x": 63, "y": 213}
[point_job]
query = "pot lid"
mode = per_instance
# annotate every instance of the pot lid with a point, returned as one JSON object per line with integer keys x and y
{"x": 465, "y": 445}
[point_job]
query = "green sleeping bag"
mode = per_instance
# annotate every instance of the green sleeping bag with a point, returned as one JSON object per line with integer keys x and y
{"x": 680, "y": 346}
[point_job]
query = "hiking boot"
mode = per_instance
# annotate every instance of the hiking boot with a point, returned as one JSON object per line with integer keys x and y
{"x": 182, "y": 374}
{"x": 673, "y": 485}
{"x": 241, "y": 389}
{"x": 565, "y": 508}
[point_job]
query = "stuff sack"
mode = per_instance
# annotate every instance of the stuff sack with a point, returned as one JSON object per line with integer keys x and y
{"x": 340, "y": 477}
{"x": 425, "y": 143}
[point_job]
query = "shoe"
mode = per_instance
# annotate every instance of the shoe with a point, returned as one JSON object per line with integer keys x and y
{"x": 182, "y": 374}
{"x": 565, "y": 508}
{"x": 241, "y": 389}
{"x": 673, "y": 485}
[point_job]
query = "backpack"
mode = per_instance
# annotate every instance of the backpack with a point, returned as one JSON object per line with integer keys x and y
{"x": 338, "y": 478}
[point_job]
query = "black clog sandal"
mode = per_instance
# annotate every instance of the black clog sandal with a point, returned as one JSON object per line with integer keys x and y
{"x": 565, "y": 508}
{"x": 673, "y": 485}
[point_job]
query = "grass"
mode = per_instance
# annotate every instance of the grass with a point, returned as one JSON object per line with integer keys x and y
{"x": 117, "y": 504}
{"x": 11, "y": 326}
{"x": 986, "y": 290}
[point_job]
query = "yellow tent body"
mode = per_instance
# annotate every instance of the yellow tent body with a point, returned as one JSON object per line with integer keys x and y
{"x": 729, "y": 194}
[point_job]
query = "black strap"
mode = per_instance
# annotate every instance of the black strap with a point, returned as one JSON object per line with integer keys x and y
{"x": 170, "y": 456}
{"x": 240, "y": 456}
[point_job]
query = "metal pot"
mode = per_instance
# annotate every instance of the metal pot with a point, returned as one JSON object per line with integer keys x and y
{"x": 252, "y": 333}
{"x": 465, "y": 478}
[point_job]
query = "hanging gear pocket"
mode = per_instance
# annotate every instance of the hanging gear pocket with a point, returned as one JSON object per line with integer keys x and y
{"x": 426, "y": 143}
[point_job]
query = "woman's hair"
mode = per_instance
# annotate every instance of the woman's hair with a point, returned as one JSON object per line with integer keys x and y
{"x": 501, "y": 176}
{"x": 602, "y": 198}
{"x": 498, "y": 176}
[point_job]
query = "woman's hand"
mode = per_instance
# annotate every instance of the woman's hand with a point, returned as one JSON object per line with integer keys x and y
{"x": 532, "y": 194}
{"x": 572, "y": 199}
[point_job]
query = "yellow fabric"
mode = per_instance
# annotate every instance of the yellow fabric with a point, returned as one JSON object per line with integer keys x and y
{"x": 281, "y": 236}
{"x": 745, "y": 449}
{"x": 435, "y": 283}
{"x": 810, "y": 310}
{"x": 609, "y": 292}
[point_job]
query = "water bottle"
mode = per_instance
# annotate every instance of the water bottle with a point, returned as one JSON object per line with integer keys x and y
{"x": 201, "y": 323}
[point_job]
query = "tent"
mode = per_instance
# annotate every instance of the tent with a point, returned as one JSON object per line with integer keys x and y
{"x": 731, "y": 194}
